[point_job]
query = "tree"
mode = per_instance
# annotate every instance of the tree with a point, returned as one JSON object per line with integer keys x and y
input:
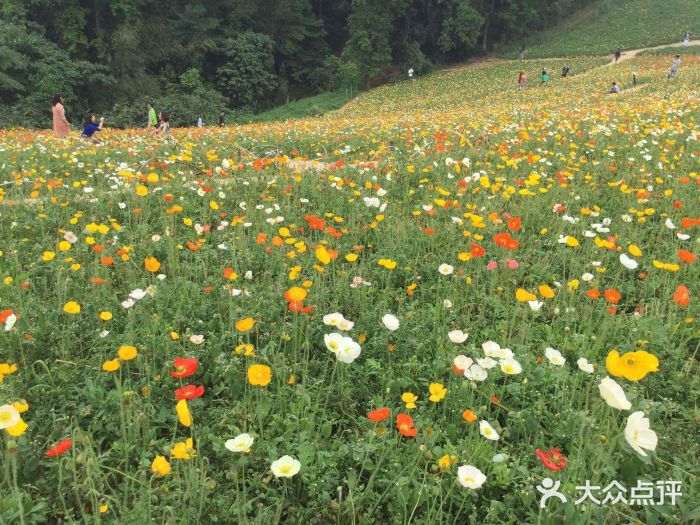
{"x": 248, "y": 76}
{"x": 370, "y": 25}
{"x": 460, "y": 28}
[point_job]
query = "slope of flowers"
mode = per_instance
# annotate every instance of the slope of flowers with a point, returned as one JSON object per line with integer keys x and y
{"x": 410, "y": 311}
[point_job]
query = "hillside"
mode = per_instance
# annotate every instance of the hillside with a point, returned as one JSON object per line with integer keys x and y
{"x": 604, "y": 26}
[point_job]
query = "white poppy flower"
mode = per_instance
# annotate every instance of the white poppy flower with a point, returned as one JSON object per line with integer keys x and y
{"x": 638, "y": 434}
{"x": 470, "y": 477}
{"x": 554, "y": 356}
{"x": 334, "y": 342}
{"x": 487, "y": 363}
{"x": 462, "y": 362}
{"x": 584, "y": 365}
{"x": 628, "y": 262}
{"x": 486, "y": 430}
{"x": 476, "y": 373}
{"x": 510, "y": 366}
{"x": 285, "y": 467}
{"x": 613, "y": 394}
{"x": 457, "y": 336}
{"x": 446, "y": 269}
{"x": 391, "y": 322}
{"x": 241, "y": 443}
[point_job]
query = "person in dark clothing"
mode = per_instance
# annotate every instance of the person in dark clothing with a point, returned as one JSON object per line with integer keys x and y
{"x": 618, "y": 54}
{"x": 221, "y": 119}
{"x": 90, "y": 127}
{"x": 565, "y": 71}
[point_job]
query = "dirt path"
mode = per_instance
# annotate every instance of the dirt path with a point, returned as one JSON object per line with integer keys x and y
{"x": 631, "y": 53}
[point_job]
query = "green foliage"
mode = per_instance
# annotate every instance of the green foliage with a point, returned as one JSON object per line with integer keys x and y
{"x": 370, "y": 26}
{"x": 247, "y": 77}
{"x": 34, "y": 70}
{"x": 462, "y": 28}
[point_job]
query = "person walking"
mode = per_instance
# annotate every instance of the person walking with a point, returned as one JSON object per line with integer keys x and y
{"x": 565, "y": 72}
{"x": 200, "y": 121}
{"x": 686, "y": 39}
{"x": 521, "y": 54}
{"x": 152, "y": 118}
{"x": 61, "y": 126}
{"x": 521, "y": 80}
{"x": 674, "y": 66}
{"x": 221, "y": 119}
{"x": 544, "y": 77}
{"x": 618, "y": 54}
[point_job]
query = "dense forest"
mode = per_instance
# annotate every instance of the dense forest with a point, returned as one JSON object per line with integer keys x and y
{"x": 240, "y": 56}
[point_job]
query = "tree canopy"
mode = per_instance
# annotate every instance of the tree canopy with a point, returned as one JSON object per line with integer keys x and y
{"x": 243, "y": 55}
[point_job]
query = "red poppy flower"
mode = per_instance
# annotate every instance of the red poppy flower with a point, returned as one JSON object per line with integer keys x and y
{"x": 189, "y": 392}
{"x": 681, "y": 297}
{"x": 404, "y": 423}
{"x": 378, "y": 415}
{"x": 477, "y": 251}
{"x": 506, "y": 241}
{"x": 553, "y": 459}
{"x": 298, "y": 307}
{"x": 184, "y": 367}
{"x": 60, "y": 448}
{"x": 7, "y": 313}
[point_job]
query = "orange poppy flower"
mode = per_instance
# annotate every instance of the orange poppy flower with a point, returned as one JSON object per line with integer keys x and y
{"x": 469, "y": 416}
{"x": 514, "y": 224}
{"x": 593, "y": 293}
{"x": 378, "y": 415}
{"x": 404, "y": 424}
{"x": 686, "y": 256}
{"x": 682, "y": 296}
{"x": 612, "y": 296}
{"x": 97, "y": 280}
{"x": 107, "y": 261}
{"x": 260, "y": 239}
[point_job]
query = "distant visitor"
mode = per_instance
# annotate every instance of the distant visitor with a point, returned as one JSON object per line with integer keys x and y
{"x": 410, "y": 73}
{"x": 521, "y": 54}
{"x": 674, "y": 66}
{"x": 618, "y": 54}
{"x": 521, "y": 80}
{"x": 200, "y": 120}
{"x": 152, "y": 118}
{"x": 61, "y": 126}
{"x": 565, "y": 71}
{"x": 615, "y": 88}
{"x": 221, "y": 119}
{"x": 544, "y": 76}
{"x": 686, "y": 39}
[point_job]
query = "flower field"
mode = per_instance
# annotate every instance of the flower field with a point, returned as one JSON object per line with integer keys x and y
{"x": 412, "y": 310}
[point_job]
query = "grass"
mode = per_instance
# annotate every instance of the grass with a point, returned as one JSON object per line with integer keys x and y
{"x": 599, "y": 30}
{"x": 229, "y": 246}
{"x": 305, "y": 107}
{"x": 670, "y": 51}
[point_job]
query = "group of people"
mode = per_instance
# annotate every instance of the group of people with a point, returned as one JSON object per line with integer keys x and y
{"x": 158, "y": 123}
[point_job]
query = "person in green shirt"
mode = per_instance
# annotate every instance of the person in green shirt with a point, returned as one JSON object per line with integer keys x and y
{"x": 152, "y": 118}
